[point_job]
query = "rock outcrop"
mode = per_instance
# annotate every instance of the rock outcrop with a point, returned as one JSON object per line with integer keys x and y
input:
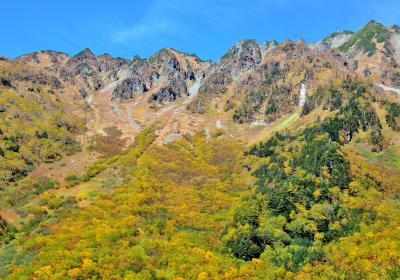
{"x": 168, "y": 74}
{"x": 244, "y": 56}
{"x": 128, "y": 88}
{"x": 175, "y": 89}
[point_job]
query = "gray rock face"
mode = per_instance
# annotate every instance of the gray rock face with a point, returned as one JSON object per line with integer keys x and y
{"x": 176, "y": 89}
{"x": 168, "y": 71}
{"x": 89, "y": 71}
{"x": 166, "y": 63}
{"x": 137, "y": 67}
{"x": 86, "y": 54}
{"x": 338, "y": 40}
{"x": 154, "y": 77}
{"x": 97, "y": 83}
{"x": 113, "y": 76}
{"x": 244, "y": 56}
{"x": 82, "y": 69}
{"x": 83, "y": 92}
{"x": 83, "y": 63}
{"x": 128, "y": 88}
{"x": 109, "y": 63}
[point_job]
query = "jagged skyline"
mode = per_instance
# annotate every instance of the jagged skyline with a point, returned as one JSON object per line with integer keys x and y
{"x": 206, "y": 28}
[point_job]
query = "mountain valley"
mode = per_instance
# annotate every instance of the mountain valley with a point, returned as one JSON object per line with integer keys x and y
{"x": 279, "y": 161}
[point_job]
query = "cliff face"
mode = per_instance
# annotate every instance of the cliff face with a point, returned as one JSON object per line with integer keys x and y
{"x": 168, "y": 74}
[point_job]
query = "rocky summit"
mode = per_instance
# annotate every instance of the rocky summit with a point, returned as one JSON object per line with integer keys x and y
{"x": 278, "y": 161}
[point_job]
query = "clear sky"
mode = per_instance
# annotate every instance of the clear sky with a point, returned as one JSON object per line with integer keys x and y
{"x": 205, "y": 27}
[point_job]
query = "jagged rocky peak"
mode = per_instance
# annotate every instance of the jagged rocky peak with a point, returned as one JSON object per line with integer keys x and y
{"x": 177, "y": 71}
{"x": 107, "y": 62}
{"x": 268, "y": 46}
{"x": 168, "y": 74}
{"x": 89, "y": 72}
{"x": 290, "y": 50}
{"x": 136, "y": 65}
{"x": 166, "y": 62}
{"x": 85, "y": 54}
{"x": 86, "y": 62}
{"x": 162, "y": 57}
{"x": 290, "y": 45}
{"x": 135, "y": 60}
{"x": 277, "y": 77}
{"x": 244, "y": 57}
{"x": 135, "y": 78}
{"x": 371, "y": 38}
{"x": 170, "y": 62}
{"x": 82, "y": 63}
{"x": 246, "y": 54}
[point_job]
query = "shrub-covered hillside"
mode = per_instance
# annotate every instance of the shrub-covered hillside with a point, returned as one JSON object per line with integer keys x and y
{"x": 304, "y": 204}
{"x": 279, "y": 161}
{"x": 33, "y": 130}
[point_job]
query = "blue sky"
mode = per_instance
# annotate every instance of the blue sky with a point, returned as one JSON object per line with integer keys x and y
{"x": 205, "y": 27}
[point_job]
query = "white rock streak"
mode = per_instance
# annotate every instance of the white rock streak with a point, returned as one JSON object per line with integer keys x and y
{"x": 195, "y": 87}
{"x": 386, "y": 88}
{"x": 303, "y": 94}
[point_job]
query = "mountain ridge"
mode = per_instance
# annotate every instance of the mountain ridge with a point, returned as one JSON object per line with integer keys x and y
{"x": 252, "y": 83}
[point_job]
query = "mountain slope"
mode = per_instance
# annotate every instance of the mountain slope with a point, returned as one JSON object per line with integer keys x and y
{"x": 374, "y": 51}
{"x": 159, "y": 210}
{"x": 280, "y": 161}
{"x": 264, "y": 88}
